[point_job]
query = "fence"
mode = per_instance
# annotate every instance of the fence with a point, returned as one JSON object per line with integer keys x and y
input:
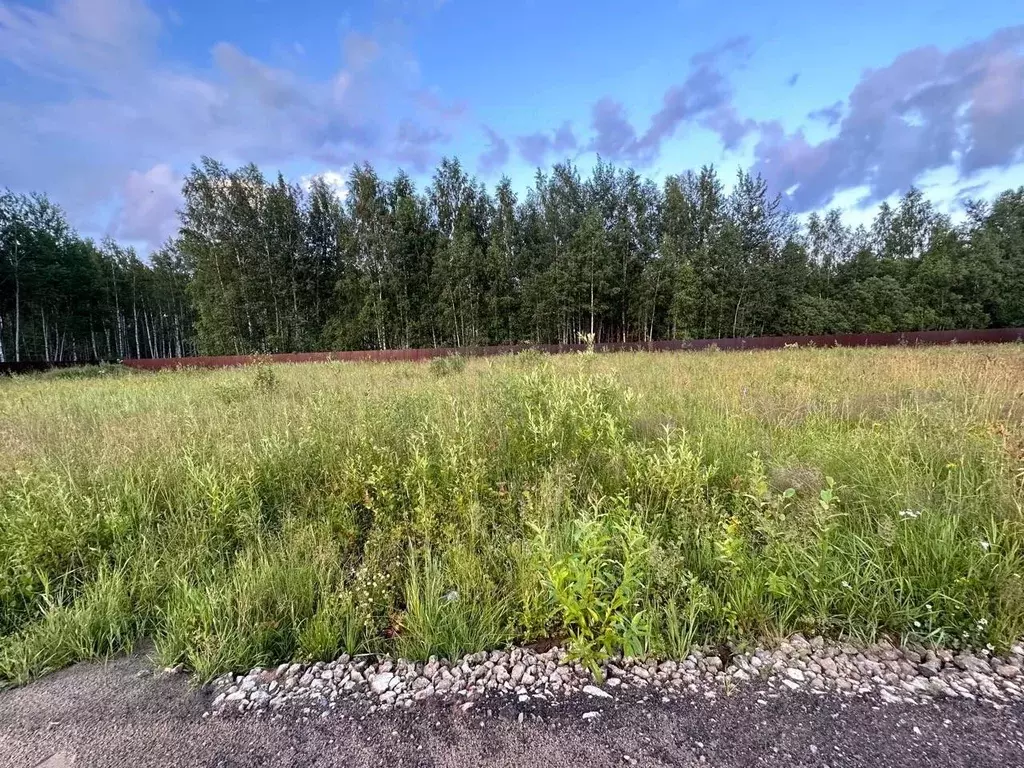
{"x": 911, "y": 338}
{"x": 914, "y": 338}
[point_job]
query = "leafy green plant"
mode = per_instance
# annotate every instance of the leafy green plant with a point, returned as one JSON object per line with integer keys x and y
{"x": 680, "y": 621}
{"x": 103, "y": 620}
{"x": 447, "y": 365}
{"x": 339, "y": 625}
{"x": 264, "y": 379}
{"x": 597, "y": 585}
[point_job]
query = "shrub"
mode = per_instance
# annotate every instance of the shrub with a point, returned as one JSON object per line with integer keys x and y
{"x": 264, "y": 379}
{"x": 78, "y": 372}
{"x": 596, "y": 580}
{"x": 447, "y": 365}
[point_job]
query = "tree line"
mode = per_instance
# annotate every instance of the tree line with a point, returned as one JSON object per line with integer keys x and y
{"x": 65, "y": 298}
{"x": 264, "y": 266}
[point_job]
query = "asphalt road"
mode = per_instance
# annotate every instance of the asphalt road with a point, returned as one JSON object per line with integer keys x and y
{"x": 106, "y": 715}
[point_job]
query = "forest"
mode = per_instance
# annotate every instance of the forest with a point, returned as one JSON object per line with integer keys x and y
{"x": 264, "y": 265}
{"x": 63, "y": 297}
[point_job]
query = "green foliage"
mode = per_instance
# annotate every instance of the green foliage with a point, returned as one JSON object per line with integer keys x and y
{"x": 103, "y": 370}
{"x": 66, "y": 298}
{"x": 678, "y": 625}
{"x": 259, "y": 381}
{"x": 595, "y": 576}
{"x": 103, "y": 620}
{"x": 275, "y": 600}
{"x": 637, "y": 504}
{"x": 529, "y": 358}
{"x": 264, "y": 379}
{"x": 447, "y": 365}
{"x": 450, "y": 611}
{"x": 263, "y": 266}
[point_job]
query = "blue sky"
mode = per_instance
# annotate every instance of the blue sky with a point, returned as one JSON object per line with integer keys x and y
{"x": 105, "y": 103}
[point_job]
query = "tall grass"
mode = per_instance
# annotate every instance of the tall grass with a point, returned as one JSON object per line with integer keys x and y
{"x": 629, "y": 503}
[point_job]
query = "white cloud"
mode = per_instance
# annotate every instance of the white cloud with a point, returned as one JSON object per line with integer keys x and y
{"x": 78, "y": 40}
{"x": 124, "y": 122}
{"x": 926, "y": 110}
{"x": 336, "y": 180}
{"x": 149, "y": 201}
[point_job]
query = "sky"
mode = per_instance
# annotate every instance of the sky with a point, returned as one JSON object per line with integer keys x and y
{"x": 105, "y": 104}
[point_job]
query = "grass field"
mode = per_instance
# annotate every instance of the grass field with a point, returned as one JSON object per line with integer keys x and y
{"x": 630, "y": 503}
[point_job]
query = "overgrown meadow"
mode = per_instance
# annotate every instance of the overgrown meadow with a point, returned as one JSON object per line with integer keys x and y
{"x": 629, "y": 503}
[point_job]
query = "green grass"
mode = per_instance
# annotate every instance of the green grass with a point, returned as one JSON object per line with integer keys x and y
{"x": 629, "y": 503}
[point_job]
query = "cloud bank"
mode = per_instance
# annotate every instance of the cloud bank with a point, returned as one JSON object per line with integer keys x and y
{"x": 114, "y": 119}
{"x": 926, "y": 110}
{"x": 107, "y": 125}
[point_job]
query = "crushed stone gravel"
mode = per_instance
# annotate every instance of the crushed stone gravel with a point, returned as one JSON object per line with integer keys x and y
{"x": 110, "y": 715}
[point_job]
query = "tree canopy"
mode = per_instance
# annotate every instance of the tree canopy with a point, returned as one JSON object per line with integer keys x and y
{"x": 263, "y": 265}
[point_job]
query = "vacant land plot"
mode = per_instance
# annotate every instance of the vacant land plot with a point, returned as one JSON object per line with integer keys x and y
{"x": 623, "y": 503}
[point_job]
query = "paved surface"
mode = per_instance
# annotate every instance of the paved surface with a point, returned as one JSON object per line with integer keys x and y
{"x": 105, "y": 715}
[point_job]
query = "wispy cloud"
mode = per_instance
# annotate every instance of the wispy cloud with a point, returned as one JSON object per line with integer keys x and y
{"x": 926, "y": 110}
{"x": 497, "y": 153}
{"x": 704, "y": 98}
{"x": 124, "y": 118}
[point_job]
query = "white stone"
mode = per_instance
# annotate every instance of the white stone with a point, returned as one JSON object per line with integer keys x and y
{"x": 381, "y": 682}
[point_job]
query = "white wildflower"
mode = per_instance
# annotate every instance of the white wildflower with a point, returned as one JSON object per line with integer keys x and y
{"x": 846, "y": 584}
{"x": 910, "y": 514}
{"x": 917, "y": 624}
{"x": 985, "y": 545}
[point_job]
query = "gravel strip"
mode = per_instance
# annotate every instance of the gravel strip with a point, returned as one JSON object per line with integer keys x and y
{"x": 894, "y": 675}
{"x": 119, "y": 714}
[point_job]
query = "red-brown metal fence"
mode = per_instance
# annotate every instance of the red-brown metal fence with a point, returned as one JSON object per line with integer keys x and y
{"x": 913, "y": 338}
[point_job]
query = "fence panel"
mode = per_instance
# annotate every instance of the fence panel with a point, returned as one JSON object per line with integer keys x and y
{"x": 911, "y": 338}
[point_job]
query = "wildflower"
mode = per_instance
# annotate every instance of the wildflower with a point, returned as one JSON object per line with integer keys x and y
{"x": 989, "y": 647}
{"x": 917, "y": 624}
{"x": 985, "y": 545}
{"x": 910, "y": 514}
{"x": 846, "y": 584}
{"x": 928, "y": 607}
